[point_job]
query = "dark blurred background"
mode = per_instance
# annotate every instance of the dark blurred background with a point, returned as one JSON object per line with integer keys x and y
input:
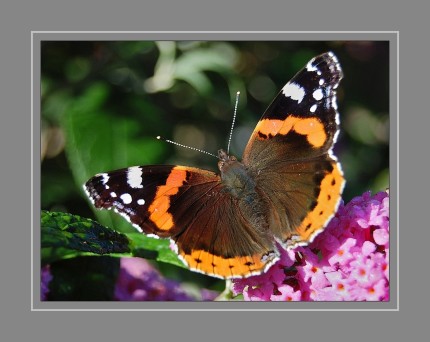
{"x": 103, "y": 103}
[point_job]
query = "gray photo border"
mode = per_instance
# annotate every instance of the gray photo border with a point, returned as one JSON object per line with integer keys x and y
{"x": 391, "y": 36}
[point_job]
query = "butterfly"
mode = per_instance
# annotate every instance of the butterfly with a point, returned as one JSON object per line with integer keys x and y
{"x": 283, "y": 192}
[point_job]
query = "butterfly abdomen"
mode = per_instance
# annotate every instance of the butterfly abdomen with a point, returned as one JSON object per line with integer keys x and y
{"x": 239, "y": 182}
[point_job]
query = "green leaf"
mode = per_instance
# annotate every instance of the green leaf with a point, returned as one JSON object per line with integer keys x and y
{"x": 141, "y": 245}
{"x": 191, "y": 67}
{"x": 65, "y": 236}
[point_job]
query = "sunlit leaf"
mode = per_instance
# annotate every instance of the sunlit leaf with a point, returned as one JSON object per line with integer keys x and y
{"x": 64, "y": 236}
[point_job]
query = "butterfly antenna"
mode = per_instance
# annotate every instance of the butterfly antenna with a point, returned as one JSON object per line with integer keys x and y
{"x": 185, "y": 146}
{"x": 234, "y": 120}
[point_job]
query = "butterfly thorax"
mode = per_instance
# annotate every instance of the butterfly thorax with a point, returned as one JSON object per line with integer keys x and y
{"x": 238, "y": 181}
{"x": 236, "y": 178}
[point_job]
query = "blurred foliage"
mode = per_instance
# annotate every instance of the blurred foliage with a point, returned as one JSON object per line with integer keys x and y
{"x": 103, "y": 103}
{"x": 84, "y": 279}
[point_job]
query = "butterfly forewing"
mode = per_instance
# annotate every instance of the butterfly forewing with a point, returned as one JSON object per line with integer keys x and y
{"x": 290, "y": 152}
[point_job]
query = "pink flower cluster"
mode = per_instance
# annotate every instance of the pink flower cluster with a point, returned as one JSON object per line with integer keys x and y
{"x": 348, "y": 261}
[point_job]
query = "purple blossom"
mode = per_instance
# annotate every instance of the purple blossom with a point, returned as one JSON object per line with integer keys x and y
{"x": 139, "y": 281}
{"x": 45, "y": 278}
{"x": 348, "y": 261}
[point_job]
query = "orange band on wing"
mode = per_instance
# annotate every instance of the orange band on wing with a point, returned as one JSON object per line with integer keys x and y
{"x": 273, "y": 127}
{"x": 208, "y": 263}
{"x": 161, "y": 204}
{"x": 312, "y": 128}
{"x": 327, "y": 202}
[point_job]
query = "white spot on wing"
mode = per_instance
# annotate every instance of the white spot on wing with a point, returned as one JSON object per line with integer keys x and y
{"x": 313, "y": 108}
{"x": 105, "y": 177}
{"x": 88, "y": 194}
{"x": 126, "y": 198}
{"x": 174, "y": 246}
{"x": 141, "y": 201}
{"x": 294, "y": 91}
{"x": 113, "y": 194}
{"x": 310, "y": 66}
{"x": 318, "y": 94}
{"x": 334, "y": 104}
{"x": 134, "y": 177}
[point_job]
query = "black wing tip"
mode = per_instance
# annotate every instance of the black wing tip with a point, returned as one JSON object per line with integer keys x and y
{"x": 331, "y": 60}
{"x": 92, "y": 188}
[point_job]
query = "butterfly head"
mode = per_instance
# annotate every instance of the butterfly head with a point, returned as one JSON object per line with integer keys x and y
{"x": 225, "y": 160}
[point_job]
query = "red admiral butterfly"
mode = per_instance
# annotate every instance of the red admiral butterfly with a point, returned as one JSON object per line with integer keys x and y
{"x": 285, "y": 190}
